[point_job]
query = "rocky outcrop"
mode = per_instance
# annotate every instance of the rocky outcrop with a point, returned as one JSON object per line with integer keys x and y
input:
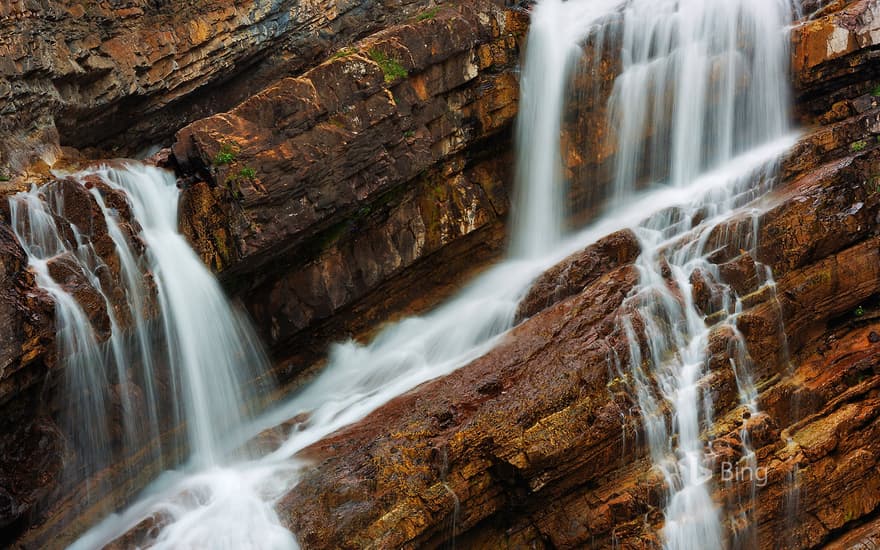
{"x": 371, "y": 178}
{"x": 129, "y": 73}
{"x": 578, "y": 271}
{"x": 834, "y": 58}
{"x": 321, "y": 189}
{"x": 30, "y": 457}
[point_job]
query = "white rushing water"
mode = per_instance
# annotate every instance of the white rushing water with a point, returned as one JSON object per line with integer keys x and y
{"x": 200, "y": 346}
{"x": 704, "y": 82}
{"x": 555, "y": 33}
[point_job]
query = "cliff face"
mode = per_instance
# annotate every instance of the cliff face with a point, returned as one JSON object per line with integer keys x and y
{"x": 129, "y": 73}
{"x": 349, "y": 183}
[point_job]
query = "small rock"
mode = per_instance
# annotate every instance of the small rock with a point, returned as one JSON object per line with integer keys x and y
{"x": 874, "y": 337}
{"x": 489, "y": 387}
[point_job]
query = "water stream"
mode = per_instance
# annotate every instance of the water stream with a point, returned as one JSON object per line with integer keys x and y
{"x": 700, "y": 114}
{"x": 198, "y": 345}
{"x": 702, "y": 82}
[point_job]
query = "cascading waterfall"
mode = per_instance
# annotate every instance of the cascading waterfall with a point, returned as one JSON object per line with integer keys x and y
{"x": 702, "y": 81}
{"x": 700, "y": 115}
{"x": 237, "y": 509}
{"x": 33, "y": 220}
{"x": 209, "y": 351}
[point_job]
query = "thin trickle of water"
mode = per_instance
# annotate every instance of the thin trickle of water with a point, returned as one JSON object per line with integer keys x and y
{"x": 792, "y": 499}
{"x": 456, "y": 510}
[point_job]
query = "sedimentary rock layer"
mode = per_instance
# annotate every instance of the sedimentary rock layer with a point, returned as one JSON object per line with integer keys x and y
{"x": 536, "y": 445}
{"x": 130, "y": 73}
{"x": 321, "y": 188}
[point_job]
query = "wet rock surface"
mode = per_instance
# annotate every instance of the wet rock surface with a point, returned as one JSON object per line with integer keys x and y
{"x": 29, "y": 450}
{"x": 549, "y": 454}
{"x": 358, "y": 175}
{"x": 38, "y": 461}
{"x": 536, "y": 445}
{"x": 398, "y": 180}
{"x": 577, "y": 272}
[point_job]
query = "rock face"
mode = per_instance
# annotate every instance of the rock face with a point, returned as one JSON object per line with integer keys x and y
{"x": 30, "y": 458}
{"x": 834, "y": 58}
{"x": 129, "y": 73}
{"x": 319, "y": 189}
{"x": 345, "y": 162}
{"x": 350, "y": 191}
{"x": 540, "y": 458}
{"x": 534, "y": 445}
{"x": 39, "y": 463}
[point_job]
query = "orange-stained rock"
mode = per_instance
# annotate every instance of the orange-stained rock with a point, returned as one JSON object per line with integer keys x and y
{"x": 833, "y": 57}
{"x": 129, "y": 73}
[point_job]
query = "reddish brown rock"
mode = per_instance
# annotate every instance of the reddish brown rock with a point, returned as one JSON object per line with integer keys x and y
{"x": 578, "y": 271}
{"x": 130, "y": 73}
{"x": 834, "y": 58}
{"x": 328, "y": 186}
{"x": 491, "y": 448}
{"x": 542, "y": 449}
{"x": 30, "y": 449}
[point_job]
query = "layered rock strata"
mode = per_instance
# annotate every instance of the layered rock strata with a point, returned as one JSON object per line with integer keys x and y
{"x": 537, "y": 445}
{"x": 128, "y": 73}
{"x": 391, "y": 170}
{"x": 357, "y": 175}
{"x": 321, "y": 189}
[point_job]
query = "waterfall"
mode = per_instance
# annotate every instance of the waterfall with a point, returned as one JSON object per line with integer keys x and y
{"x": 186, "y": 358}
{"x": 700, "y": 115}
{"x": 556, "y": 30}
{"x": 702, "y": 82}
